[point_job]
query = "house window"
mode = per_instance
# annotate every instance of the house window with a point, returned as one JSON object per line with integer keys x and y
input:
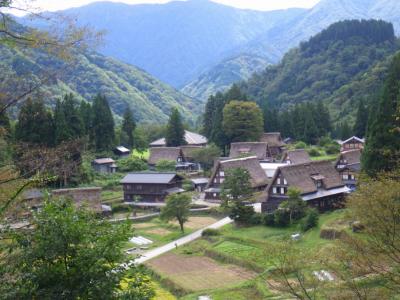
{"x": 139, "y": 187}
{"x": 284, "y": 181}
{"x": 345, "y": 176}
{"x": 222, "y": 173}
{"x": 319, "y": 183}
{"x": 274, "y": 190}
{"x": 282, "y": 191}
{"x": 279, "y": 180}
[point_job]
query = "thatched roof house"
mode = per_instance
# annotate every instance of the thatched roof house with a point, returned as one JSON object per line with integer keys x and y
{"x": 257, "y": 149}
{"x": 293, "y": 157}
{"x": 349, "y": 165}
{"x": 319, "y": 183}
{"x": 258, "y": 178}
{"x": 275, "y": 144}
{"x": 191, "y": 138}
{"x": 165, "y": 153}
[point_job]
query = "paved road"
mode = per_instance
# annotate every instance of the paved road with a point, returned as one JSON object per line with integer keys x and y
{"x": 184, "y": 240}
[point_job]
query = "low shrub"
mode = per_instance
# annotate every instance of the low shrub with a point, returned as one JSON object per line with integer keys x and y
{"x": 281, "y": 218}
{"x": 325, "y": 140}
{"x": 333, "y": 148}
{"x": 314, "y": 152}
{"x": 269, "y": 220}
{"x": 300, "y": 145}
{"x": 131, "y": 164}
{"x": 210, "y": 232}
{"x": 256, "y": 219}
{"x": 310, "y": 220}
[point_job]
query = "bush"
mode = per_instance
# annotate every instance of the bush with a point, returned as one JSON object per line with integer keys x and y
{"x": 256, "y": 219}
{"x": 241, "y": 213}
{"x": 187, "y": 185}
{"x": 131, "y": 164}
{"x": 210, "y": 232}
{"x": 310, "y": 220}
{"x": 281, "y": 218}
{"x": 332, "y": 148}
{"x": 326, "y": 140}
{"x": 300, "y": 145}
{"x": 269, "y": 220}
{"x": 314, "y": 152}
{"x": 166, "y": 166}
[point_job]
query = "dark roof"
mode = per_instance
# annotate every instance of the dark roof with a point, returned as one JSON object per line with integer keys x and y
{"x": 299, "y": 156}
{"x": 156, "y": 178}
{"x": 191, "y": 138}
{"x": 253, "y": 148}
{"x": 251, "y": 164}
{"x": 102, "y": 161}
{"x": 300, "y": 176}
{"x": 164, "y": 153}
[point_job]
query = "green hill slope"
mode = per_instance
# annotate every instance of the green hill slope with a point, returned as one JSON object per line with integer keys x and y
{"x": 340, "y": 65}
{"x": 91, "y": 73}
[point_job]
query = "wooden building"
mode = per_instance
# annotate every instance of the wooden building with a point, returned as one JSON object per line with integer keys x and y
{"x": 294, "y": 157}
{"x": 319, "y": 183}
{"x": 259, "y": 179}
{"x": 150, "y": 187}
{"x": 191, "y": 138}
{"x": 258, "y": 149}
{"x": 175, "y": 154}
{"x": 349, "y": 166}
{"x": 353, "y": 143}
{"x": 122, "y": 152}
{"x": 276, "y": 146}
{"x": 104, "y": 165}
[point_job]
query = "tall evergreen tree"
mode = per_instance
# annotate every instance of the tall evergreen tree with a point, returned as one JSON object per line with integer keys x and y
{"x": 61, "y": 130}
{"x": 382, "y": 149}
{"x": 345, "y": 131}
{"x": 360, "y": 126}
{"x": 175, "y": 135}
{"x": 103, "y": 124}
{"x": 310, "y": 135}
{"x": 35, "y": 124}
{"x": 127, "y": 129}
{"x": 5, "y": 124}
{"x": 271, "y": 118}
{"x": 322, "y": 119}
{"x": 73, "y": 117}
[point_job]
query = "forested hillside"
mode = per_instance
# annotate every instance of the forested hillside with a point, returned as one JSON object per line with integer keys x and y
{"x": 221, "y": 77}
{"x": 341, "y": 65}
{"x": 86, "y": 75}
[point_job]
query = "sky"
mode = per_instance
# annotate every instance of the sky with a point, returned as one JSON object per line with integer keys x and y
{"x": 53, "y": 5}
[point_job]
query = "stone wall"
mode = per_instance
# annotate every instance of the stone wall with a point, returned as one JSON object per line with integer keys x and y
{"x": 91, "y": 197}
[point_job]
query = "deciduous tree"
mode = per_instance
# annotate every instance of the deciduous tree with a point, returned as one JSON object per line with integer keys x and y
{"x": 177, "y": 207}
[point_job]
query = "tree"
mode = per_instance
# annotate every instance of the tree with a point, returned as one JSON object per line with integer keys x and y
{"x": 382, "y": 149}
{"x": 127, "y": 130}
{"x": 35, "y": 124}
{"x": 103, "y": 124}
{"x": 177, "y": 207}
{"x": 68, "y": 254}
{"x": 140, "y": 142}
{"x": 295, "y": 206}
{"x": 166, "y": 165}
{"x": 206, "y": 156}
{"x": 243, "y": 121}
{"x": 360, "y": 125}
{"x": 241, "y": 213}
{"x": 175, "y": 135}
{"x": 236, "y": 186}
{"x": 310, "y": 135}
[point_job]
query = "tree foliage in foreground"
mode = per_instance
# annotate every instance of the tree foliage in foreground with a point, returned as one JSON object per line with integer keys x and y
{"x": 68, "y": 254}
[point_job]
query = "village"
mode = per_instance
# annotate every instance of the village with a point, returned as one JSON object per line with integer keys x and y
{"x": 275, "y": 166}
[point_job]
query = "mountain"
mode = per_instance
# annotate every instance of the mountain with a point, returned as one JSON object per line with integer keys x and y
{"x": 179, "y": 40}
{"x": 221, "y": 77}
{"x": 343, "y": 64}
{"x": 87, "y": 74}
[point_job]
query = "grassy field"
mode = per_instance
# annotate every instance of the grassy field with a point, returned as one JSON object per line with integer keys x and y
{"x": 244, "y": 247}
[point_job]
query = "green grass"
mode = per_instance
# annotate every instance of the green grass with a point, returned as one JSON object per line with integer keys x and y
{"x": 325, "y": 157}
{"x": 145, "y": 155}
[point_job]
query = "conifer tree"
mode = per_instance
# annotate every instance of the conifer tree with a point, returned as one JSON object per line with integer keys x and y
{"x": 382, "y": 149}
{"x": 361, "y": 120}
{"x": 103, "y": 124}
{"x": 61, "y": 130}
{"x": 175, "y": 135}
{"x": 35, "y": 124}
{"x": 310, "y": 135}
{"x": 72, "y": 117}
{"x": 127, "y": 129}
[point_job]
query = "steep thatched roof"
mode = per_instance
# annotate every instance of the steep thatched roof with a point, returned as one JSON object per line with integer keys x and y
{"x": 251, "y": 164}
{"x": 250, "y": 148}
{"x": 273, "y": 139}
{"x": 164, "y": 153}
{"x": 302, "y": 176}
{"x": 299, "y": 156}
{"x": 350, "y": 159}
{"x": 188, "y": 150}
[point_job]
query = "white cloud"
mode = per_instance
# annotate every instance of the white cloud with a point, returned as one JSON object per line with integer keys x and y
{"x": 53, "y": 5}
